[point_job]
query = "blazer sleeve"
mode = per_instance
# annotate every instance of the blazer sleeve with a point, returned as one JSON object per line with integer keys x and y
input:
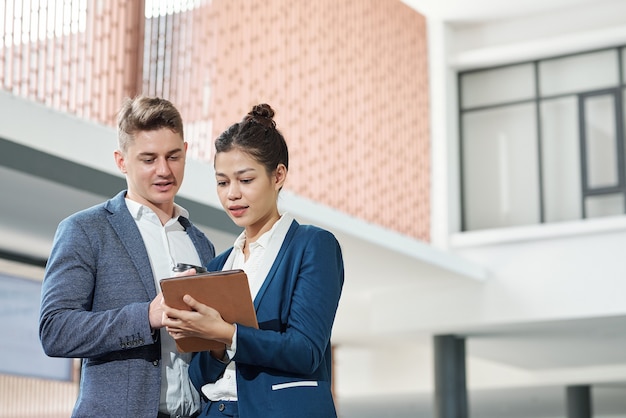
{"x": 313, "y": 268}
{"x": 84, "y": 317}
{"x": 204, "y": 369}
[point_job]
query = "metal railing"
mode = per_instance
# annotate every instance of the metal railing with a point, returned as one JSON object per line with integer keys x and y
{"x": 84, "y": 56}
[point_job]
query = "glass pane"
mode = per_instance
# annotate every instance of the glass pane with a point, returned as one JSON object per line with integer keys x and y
{"x": 500, "y": 168}
{"x": 624, "y": 65}
{"x": 600, "y": 141}
{"x": 561, "y": 160}
{"x": 500, "y": 85}
{"x": 579, "y": 73}
{"x": 21, "y": 349}
{"x": 624, "y": 119}
{"x": 607, "y": 205}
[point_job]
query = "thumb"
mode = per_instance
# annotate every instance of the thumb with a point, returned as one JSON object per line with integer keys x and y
{"x": 193, "y": 304}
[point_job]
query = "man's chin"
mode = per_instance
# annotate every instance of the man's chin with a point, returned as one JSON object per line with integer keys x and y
{"x": 164, "y": 196}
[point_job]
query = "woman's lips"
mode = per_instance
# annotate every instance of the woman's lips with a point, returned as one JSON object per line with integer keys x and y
{"x": 237, "y": 211}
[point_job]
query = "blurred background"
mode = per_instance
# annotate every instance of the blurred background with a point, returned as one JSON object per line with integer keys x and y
{"x": 468, "y": 155}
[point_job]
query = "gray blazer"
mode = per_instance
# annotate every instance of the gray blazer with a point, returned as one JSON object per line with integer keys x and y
{"x": 95, "y": 296}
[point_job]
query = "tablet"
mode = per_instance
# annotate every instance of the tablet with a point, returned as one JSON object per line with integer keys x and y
{"x": 226, "y": 291}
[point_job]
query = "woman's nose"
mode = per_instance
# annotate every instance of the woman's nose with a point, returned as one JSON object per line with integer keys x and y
{"x": 234, "y": 192}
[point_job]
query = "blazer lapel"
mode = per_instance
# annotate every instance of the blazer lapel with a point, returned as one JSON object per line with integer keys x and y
{"x": 124, "y": 226}
{"x": 276, "y": 264}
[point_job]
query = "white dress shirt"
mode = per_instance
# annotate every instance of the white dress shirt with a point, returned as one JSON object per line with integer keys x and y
{"x": 168, "y": 245}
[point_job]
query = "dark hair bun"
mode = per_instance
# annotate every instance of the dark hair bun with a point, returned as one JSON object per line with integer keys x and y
{"x": 262, "y": 114}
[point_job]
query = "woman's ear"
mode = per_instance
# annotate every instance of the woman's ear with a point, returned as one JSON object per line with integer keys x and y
{"x": 280, "y": 175}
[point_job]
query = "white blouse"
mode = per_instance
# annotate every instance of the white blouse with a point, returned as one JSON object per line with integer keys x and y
{"x": 263, "y": 252}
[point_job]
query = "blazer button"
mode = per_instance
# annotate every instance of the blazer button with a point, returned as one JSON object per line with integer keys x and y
{"x": 155, "y": 363}
{"x": 221, "y": 407}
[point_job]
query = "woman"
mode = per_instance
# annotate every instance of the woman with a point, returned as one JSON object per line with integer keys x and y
{"x": 295, "y": 272}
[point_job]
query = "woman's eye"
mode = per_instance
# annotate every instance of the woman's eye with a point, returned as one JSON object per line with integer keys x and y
{"x": 246, "y": 181}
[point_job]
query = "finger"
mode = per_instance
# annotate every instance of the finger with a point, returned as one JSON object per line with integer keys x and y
{"x": 173, "y": 329}
{"x": 193, "y": 304}
{"x": 185, "y": 273}
{"x": 172, "y": 313}
{"x": 177, "y": 334}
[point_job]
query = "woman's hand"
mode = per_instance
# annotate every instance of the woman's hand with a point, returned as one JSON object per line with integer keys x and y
{"x": 201, "y": 321}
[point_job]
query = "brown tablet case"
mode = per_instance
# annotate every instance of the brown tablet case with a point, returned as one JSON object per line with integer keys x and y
{"x": 226, "y": 291}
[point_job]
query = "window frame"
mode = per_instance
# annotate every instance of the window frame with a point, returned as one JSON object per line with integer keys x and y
{"x": 618, "y": 91}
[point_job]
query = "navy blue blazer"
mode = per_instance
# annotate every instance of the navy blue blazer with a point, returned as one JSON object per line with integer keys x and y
{"x": 95, "y": 297}
{"x": 284, "y": 367}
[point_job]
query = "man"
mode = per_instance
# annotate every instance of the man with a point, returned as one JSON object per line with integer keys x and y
{"x": 99, "y": 295}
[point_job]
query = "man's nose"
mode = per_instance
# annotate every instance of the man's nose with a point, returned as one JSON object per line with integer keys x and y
{"x": 163, "y": 168}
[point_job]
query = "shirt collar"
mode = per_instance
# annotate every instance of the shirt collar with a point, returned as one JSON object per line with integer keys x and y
{"x": 137, "y": 210}
{"x": 264, "y": 239}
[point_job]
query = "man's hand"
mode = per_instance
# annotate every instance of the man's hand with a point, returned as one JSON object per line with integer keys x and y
{"x": 155, "y": 312}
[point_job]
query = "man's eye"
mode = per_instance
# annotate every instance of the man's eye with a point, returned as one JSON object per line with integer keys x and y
{"x": 148, "y": 160}
{"x": 174, "y": 157}
{"x": 221, "y": 183}
{"x": 246, "y": 181}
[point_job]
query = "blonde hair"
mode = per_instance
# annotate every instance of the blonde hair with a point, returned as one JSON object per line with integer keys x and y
{"x": 144, "y": 113}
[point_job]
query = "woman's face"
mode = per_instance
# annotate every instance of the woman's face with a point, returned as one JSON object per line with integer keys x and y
{"x": 246, "y": 191}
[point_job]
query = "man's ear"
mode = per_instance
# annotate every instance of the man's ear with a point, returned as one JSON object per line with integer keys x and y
{"x": 120, "y": 161}
{"x": 280, "y": 175}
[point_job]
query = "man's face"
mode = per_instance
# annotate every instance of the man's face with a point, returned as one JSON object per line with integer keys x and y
{"x": 154, "y": 165}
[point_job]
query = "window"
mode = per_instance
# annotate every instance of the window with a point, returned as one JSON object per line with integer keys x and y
{"x": 21, "y": 349}
{"x": 543, "y": 141}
